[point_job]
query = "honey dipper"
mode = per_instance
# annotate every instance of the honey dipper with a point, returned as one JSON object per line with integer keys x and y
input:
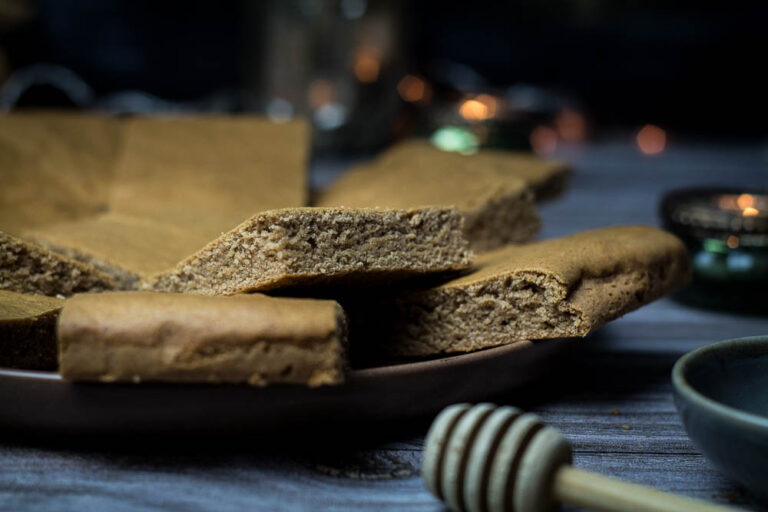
{"x": 486, "y": 458}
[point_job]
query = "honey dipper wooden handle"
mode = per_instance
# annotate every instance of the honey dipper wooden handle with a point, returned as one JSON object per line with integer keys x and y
{"x": 486, "y": 458}
{"x": 595, "y": 492}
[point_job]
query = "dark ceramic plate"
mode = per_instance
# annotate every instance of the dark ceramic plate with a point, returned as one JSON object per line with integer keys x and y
{"x": 41, "y": 402}
{"x": 721, "y": 392}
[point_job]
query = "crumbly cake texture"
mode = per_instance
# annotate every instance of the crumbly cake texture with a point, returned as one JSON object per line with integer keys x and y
{"x": 28, "y": 330}
{"x": 29, "y": 268}
{"x": 564, "y": 287}
{"x": 254, "y": 339}
{"x": 498, "y": 207}
{"x": 297, "y": 247}
{"x": 179, "y": 183}
{"x": 125, "y": 247}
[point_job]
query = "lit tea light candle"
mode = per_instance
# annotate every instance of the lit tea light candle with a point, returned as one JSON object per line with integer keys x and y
{"x": 726, "y": 232}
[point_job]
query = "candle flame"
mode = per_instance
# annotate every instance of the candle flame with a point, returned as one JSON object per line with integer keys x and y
{"x": 651, "y": 140}
{"x": 750, "y": 211}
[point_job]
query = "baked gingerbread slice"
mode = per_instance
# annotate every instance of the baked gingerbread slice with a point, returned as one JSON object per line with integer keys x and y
{"x": 162, "y": 337}
{"x": 28, "y": 330}
{"x": 494, "y": 190}
{"x": 547, "y": 177}
{"x": 28, "y": 268}
{"x": 180, "y": 183}
{"x": 309, "y": 247}
{"x": 565, "y": 287}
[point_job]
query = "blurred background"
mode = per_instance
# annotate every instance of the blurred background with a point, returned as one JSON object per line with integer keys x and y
{"x": 525, "y": 75}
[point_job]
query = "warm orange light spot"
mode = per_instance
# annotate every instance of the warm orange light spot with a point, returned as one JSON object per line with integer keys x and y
{"x": 750, "y": 212}
{"x": 320, "y": 92}
{"x": 571, "y": 125}
{"x": 414, "y": 89}
{"x": 745, "y": 201}
{"x": 732, "y": 241}
{"x": 543, "y": 140}
{"x": 473, "y": 110}
{"x": 651, "y": 140}
{"x": 367, "y": 65}
{"x": 490, "y": 103}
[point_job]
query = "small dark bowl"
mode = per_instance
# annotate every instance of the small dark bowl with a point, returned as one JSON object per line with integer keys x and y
{"x": 721, "y": 392}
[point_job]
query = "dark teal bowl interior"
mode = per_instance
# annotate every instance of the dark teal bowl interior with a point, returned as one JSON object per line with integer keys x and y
{"x": 737, "y": 378}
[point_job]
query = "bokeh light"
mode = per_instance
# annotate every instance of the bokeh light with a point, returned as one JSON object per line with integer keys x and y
{"x": 745, "y": 201}
{"x": 571, "y": 125}
{"x": 543, "y": 140}
{"x": 367, "y": 65}
{"x": 320, "y": 92}
{"x": 651, "y": 140}
{"x": 414, "y": 89}
{"x": 474, "y": 110}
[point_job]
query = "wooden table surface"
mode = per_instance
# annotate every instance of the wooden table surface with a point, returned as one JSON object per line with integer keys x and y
{"x": 613, "y": 402}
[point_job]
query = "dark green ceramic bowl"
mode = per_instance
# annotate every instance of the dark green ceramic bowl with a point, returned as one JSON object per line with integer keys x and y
{"x": 721, "y": 392}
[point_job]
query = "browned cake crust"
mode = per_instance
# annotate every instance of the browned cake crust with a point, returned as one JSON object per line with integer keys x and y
{"x": 551, "y": 289}
{"x": 329, "y": 246}
{"x": 182, "y": 171}
{"x": 55, "y": 167}
{"x": 28, "y": 330}
{"x": 547, "y": 178}
{"x": 498, "y": 206}
{"x": 29, "y": 268}
{"x": 177, "y": 184}
{"x": 254, "y": 339}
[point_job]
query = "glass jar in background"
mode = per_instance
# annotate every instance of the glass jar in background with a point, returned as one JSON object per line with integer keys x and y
{"x": 334, "y": 62}
{"x": 726, "y": 232}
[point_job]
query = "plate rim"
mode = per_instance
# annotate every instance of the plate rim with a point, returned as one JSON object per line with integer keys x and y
{"x": 384, "y": 371}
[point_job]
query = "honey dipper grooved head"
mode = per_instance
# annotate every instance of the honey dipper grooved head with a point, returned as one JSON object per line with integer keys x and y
{"x": 486, "y": 458}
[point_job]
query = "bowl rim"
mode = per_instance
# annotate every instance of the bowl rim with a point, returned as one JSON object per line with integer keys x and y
{"x": 727, "y": 412}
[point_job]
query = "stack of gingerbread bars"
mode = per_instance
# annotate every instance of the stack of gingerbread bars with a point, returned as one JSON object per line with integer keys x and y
{"x": 184, "y": 250}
